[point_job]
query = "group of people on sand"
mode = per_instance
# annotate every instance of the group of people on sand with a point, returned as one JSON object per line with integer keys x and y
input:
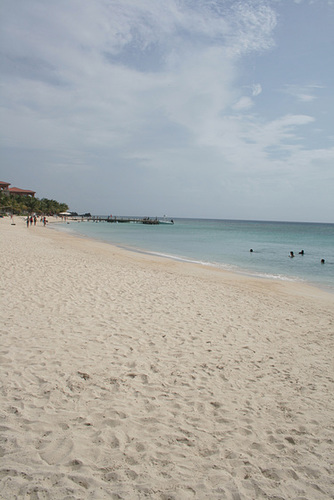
{"x": 32, "y": 220}
{"x": 292, "y": 255}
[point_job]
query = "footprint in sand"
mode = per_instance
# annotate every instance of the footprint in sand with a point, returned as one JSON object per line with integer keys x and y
{"x": 57, "y": 451}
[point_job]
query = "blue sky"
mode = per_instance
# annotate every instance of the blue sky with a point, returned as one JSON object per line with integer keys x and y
{"x": 190, "y": 108}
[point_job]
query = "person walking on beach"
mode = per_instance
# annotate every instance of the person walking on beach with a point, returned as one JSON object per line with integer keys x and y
{"x": 28, "y": 220}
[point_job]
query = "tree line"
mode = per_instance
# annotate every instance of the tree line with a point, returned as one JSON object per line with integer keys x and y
{"x": 22, "y": 205}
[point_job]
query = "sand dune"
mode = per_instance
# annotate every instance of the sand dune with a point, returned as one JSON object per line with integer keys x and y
{"x": 126, "y": 376}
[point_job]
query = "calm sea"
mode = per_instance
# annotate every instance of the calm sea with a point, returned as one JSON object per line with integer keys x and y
{"x": 227, "y": 243}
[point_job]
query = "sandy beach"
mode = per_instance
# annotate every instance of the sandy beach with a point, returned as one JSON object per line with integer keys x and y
{"x": 127, "y": 376}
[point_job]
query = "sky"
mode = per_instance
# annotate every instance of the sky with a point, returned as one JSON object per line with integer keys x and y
{"x": 186, "y": 108}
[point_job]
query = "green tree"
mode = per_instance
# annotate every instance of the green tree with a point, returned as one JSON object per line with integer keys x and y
{"x": 27, "y": 204}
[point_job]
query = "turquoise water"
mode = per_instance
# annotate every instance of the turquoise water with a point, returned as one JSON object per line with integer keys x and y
{"x": 226, "y": 244}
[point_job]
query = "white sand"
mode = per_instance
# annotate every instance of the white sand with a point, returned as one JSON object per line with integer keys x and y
{"x": 125, "y": 376}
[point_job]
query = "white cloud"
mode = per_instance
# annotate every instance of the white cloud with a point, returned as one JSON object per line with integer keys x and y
{"x": 256, "y": 89}
{"x": 83, "y": 81}
{"x": 243, "y": 103}
{"x": 304, "y": 93}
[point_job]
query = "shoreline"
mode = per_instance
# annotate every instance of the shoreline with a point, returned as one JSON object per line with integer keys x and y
{"x": 133, "y": 376}
{"x": 242, "y": 273}
{"x": 223, "y": 267}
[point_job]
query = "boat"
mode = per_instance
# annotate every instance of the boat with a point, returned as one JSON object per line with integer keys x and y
{"x": 166, "y": 221}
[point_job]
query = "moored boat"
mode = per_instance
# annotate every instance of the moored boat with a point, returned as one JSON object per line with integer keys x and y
{"x": 166, "y": 221}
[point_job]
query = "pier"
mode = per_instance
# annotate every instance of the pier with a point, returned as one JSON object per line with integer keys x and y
{"x": 120, "y": 220}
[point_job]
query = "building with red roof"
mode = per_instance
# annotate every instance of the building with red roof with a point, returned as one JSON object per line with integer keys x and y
{"x": 21, "y": 192}
{"x": 4, "y": 187}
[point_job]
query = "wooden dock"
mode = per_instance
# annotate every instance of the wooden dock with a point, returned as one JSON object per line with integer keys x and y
{"x": 118, "y": 220}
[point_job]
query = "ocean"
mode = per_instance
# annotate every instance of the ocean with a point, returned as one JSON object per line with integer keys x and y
{"x": 227, "y": 243}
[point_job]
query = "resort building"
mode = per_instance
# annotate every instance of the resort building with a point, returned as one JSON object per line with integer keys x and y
{"x": 4, "y": 187}
{"x": 21, "y": 192}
